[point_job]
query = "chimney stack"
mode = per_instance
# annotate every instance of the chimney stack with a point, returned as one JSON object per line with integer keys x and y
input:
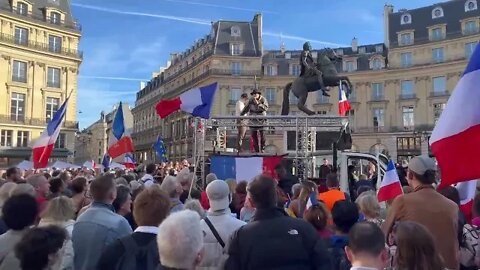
{"x": 387, "y": 10}
{"x": 355, "y": 44}
{"x": 142, "y": 85}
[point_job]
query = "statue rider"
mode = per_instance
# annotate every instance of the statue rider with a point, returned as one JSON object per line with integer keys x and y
{"x": 308, "y": 67}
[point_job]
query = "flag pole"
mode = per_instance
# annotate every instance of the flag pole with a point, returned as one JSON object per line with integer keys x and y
{"x": 195, "y": 159}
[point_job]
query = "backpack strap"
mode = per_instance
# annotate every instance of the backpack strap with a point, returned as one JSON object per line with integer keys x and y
{"x": 214, "y": 231}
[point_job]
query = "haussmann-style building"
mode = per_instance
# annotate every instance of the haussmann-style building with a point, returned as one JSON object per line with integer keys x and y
{"x": 39, "y": 63}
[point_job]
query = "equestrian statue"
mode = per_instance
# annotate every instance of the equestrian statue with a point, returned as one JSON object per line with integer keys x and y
{"x": 314, "y": 77}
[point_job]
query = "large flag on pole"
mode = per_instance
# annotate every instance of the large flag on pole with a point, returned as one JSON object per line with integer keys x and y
{"x": 43, "y": 147}
{"x": 455, "y": 138}
{"x": 390, "y": 187}
{"x": 343, "y": 103}
{"x": 196, "y": 101}
{"x": 119, "y": 142}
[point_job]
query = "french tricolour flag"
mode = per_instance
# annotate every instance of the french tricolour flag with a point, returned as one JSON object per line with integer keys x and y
{"x": 312, "y": 200}
{"x": 43, "y": 147}
{"x": 455, "y": 138}
{"x": 196, "y": 101}
{"x": 343, "y": 103}
{"x": 243, "y": 168}
{"x": 129, "y": 162}
{"x": 466, "y": 192}
{"x": 391, "y": 186}
{"x": 119, "y": 142}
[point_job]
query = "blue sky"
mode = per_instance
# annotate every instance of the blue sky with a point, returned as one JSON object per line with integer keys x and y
{"x": 124, "y": 41}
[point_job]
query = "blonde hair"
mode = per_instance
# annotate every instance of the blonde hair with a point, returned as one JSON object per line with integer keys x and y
{"x": 232, "y": 184}
{"x": 59, "y": 209}
{"x": 368, "y": 204}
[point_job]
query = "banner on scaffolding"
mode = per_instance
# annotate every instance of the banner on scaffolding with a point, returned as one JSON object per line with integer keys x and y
{"x": 243, "y": 168}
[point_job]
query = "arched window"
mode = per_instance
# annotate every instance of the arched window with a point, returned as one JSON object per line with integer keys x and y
{"x": 235, "y": 31}
{"x": 437, "y": 13}
{"x": 470, "y": 5}
{"x": 406, "y": 18}
{"x": 376, "y": 63}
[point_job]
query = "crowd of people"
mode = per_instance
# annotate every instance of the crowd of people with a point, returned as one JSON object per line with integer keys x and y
{"x": 155, "y": 217}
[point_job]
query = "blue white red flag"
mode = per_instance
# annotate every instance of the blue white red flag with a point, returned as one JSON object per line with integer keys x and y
{"x": 196, "y": 101}
{"x": 243, "y": 168}
{"x": 43, "y": 147}
{"x": 120, "y": 141}
{"x": 390, "y": 186}
{"x": 343, "y": 103}
{"x": 454, "y": 140}
{"x": 312, "y": 200}
{"x": 129, "y": 162}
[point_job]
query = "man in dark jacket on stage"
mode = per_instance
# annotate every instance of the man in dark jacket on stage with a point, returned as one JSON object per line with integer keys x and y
{"x": 273, "y": 240}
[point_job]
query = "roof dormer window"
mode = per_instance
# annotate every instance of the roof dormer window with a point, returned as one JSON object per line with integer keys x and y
{"x": 406, "y": 18}
{"x": 235, "y": 31}
{"x": 437, "y": 13}
{"x": 470, "y": 5}
{"x": 55, "y": 17}
{"x": 22, "y": 8}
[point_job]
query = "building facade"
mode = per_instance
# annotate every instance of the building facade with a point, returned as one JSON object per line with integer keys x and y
{"x": 39, "y": 63}
{"x": 401, "y": 85}
{"x": 92, "y": 142}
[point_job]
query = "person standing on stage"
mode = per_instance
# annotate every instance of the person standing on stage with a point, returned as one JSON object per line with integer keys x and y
{"x": 257, "y": 106}
{"x": 242, "y": 124}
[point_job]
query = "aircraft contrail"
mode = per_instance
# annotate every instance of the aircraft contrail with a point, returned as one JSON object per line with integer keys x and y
{"x": 292, "y": 37}
{"x": 220, "y": 6}
{"x": 159, "y": 16}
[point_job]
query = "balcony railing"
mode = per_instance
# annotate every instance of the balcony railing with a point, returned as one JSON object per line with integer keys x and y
{"x": 40, "y": 46}
{"x": 387, "y": 129}
{"x": 8, "y": 119}
{"x": 407, "y": 96}
{"x": 378, "y": 97}
{"x": 74, "y": 25}
{"x": 439, "y": 94}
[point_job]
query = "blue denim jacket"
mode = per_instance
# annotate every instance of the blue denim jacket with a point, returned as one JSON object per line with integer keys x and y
{"x": 97, "y": 227}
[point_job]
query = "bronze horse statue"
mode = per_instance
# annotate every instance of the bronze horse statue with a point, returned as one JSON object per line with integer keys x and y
{"x": 303, "y": 85}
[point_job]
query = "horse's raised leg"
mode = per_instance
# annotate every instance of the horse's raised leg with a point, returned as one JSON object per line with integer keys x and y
{"x": 301, "y": 104}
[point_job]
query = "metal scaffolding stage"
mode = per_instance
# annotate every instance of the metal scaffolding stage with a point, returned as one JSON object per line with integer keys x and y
{"x": 211, "y": 134}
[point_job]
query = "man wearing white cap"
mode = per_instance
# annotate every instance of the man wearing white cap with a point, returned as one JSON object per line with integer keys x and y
{"x": 218, "y": 226}
{"x": 427, "y": 207}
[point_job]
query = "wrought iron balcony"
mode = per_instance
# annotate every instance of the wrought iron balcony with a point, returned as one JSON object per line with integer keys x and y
{"x": 439, "y": 93}
{"x": 19, "y": 120}
{"x": 407, "y": 96}
{"x": 378, "y": 97}
{"x": 40, "y": 46}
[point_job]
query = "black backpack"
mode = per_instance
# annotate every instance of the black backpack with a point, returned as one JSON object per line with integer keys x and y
{"x": 339, "y": 259}
{"x": 135, "y": 257}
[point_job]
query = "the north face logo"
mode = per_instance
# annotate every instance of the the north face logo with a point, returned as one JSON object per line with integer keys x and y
{"x": 293, "y": 232}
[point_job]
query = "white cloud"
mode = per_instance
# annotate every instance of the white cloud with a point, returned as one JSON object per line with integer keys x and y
{"x": 142, "y": 14}
{"x": 220, "y": 6}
